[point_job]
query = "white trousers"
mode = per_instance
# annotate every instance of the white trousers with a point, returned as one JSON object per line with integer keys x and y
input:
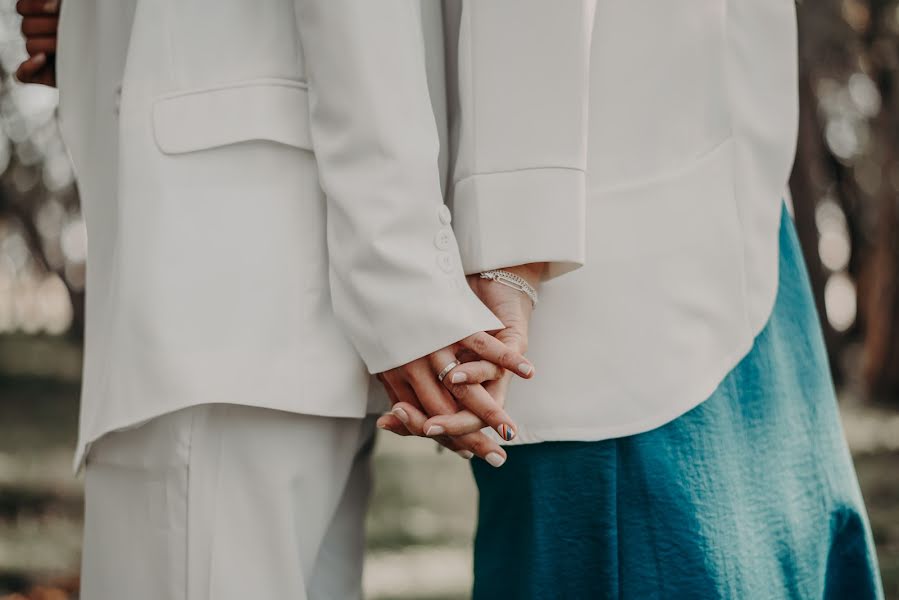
{"x": 222, "y": 502}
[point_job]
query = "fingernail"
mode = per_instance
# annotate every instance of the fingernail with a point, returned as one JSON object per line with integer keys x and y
{"x": 51, "y": 6}
{"x": 435, "y": 430}
{"x": 459, "y": 378}
{"x": 495, "y": 459}
{"x": 401, "y": 414}
{"x": 39, "y": 58}
{"x": 466, "y": 454}
{"x": 505, "y": 431}
{"x": 525, "y": 369}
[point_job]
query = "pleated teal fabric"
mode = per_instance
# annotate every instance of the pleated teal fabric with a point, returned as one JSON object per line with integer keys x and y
{"x": 751, "y": 495}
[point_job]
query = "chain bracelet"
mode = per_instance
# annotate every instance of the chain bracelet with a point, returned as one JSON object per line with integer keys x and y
{"x": 513, "y": 281}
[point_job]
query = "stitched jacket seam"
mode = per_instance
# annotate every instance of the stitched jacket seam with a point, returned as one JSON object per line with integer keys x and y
{"x": 521, "y": 170}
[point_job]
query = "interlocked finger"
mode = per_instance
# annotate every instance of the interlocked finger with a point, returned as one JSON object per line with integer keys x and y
{"x": 413, "y": 419}
{"x": 474, "y": 443}
{"x": 390, "y": 422}
{"x": 477, "y": 371}
{"x": 489, "y": 348}
{"x": 405, "y": 395}
{"x": 486, "y": 409}
{"x": 445, "y": 364}
{"x": 432, "y": 396}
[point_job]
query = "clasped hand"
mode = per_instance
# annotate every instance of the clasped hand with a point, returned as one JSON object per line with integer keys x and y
{"x": 472, "y": 394}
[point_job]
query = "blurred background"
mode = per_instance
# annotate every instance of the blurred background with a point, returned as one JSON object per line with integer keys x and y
{"x": 845, "y": 189}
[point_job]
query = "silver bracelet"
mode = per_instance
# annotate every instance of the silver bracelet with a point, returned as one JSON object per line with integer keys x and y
{"x": 513, "y": 281}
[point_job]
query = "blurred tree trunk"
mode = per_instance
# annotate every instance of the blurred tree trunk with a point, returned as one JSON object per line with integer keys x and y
{"x": 840, "y": 39}
{"x": 806, "y": 189}
{"x": 881, "y": 364}
{"x": 881, "y": 368}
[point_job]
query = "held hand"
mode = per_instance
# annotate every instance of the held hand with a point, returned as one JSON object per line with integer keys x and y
{"x": 514, "y": 309}
{"x": 40, "y": 21}
{"x": 416, "y": 389}
{"x": 406, "y": 419}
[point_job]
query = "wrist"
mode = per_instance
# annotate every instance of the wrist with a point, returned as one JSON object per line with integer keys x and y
{"x": 532, "y": 273}
{"x": 510, "y": 279}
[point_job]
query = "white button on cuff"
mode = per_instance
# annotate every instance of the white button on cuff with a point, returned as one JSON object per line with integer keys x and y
{"x": 445, "y": 215}
{"x": 445, "y": 261}
{"x": 444, "y": 239}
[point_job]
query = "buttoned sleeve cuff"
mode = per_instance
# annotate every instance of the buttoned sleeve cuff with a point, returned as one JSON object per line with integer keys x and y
{"x": 435, "y": 323}
{"x": 406, "y": 296}
{"x": 519, "y": 217}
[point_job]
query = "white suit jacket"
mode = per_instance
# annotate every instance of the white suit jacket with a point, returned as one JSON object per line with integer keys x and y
{"x": 643, "y": 150}
{"x": 263, "y": 194}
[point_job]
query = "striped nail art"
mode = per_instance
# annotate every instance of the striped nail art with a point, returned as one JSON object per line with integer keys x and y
{"x": 505, "y": 432}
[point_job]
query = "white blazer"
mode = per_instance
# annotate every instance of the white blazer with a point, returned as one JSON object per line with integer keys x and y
{"x": 639, "y": 148}
{"x": 669, "y": 131}
{"x": 263, "y": 194}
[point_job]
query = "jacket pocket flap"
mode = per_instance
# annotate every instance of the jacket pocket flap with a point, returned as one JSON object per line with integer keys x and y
{"x": 258, "y": 109}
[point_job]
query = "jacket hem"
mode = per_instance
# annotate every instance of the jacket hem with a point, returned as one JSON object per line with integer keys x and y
{"x": 536, "y": 435}
{"x": 84, "y": 445}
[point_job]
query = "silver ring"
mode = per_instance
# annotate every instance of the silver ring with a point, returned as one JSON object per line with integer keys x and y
{"x": 446, "y": 370}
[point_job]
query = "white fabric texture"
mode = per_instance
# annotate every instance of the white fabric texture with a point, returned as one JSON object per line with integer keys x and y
{"x": 227, "y": 502}
{"x": 262, "y": 187}
{"x": 642, "y": 149}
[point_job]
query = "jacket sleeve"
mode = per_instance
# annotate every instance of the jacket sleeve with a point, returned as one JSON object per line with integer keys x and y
{"x": 396, "y": 280}
{"x": 519, "y": 120}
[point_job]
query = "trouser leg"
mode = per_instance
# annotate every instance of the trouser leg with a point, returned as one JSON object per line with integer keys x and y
{"x": 213, "y": 502}
{"x": 338, "y": 569}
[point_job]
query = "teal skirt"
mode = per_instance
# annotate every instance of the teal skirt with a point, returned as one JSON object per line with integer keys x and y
{"x": 752, "y": 494}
